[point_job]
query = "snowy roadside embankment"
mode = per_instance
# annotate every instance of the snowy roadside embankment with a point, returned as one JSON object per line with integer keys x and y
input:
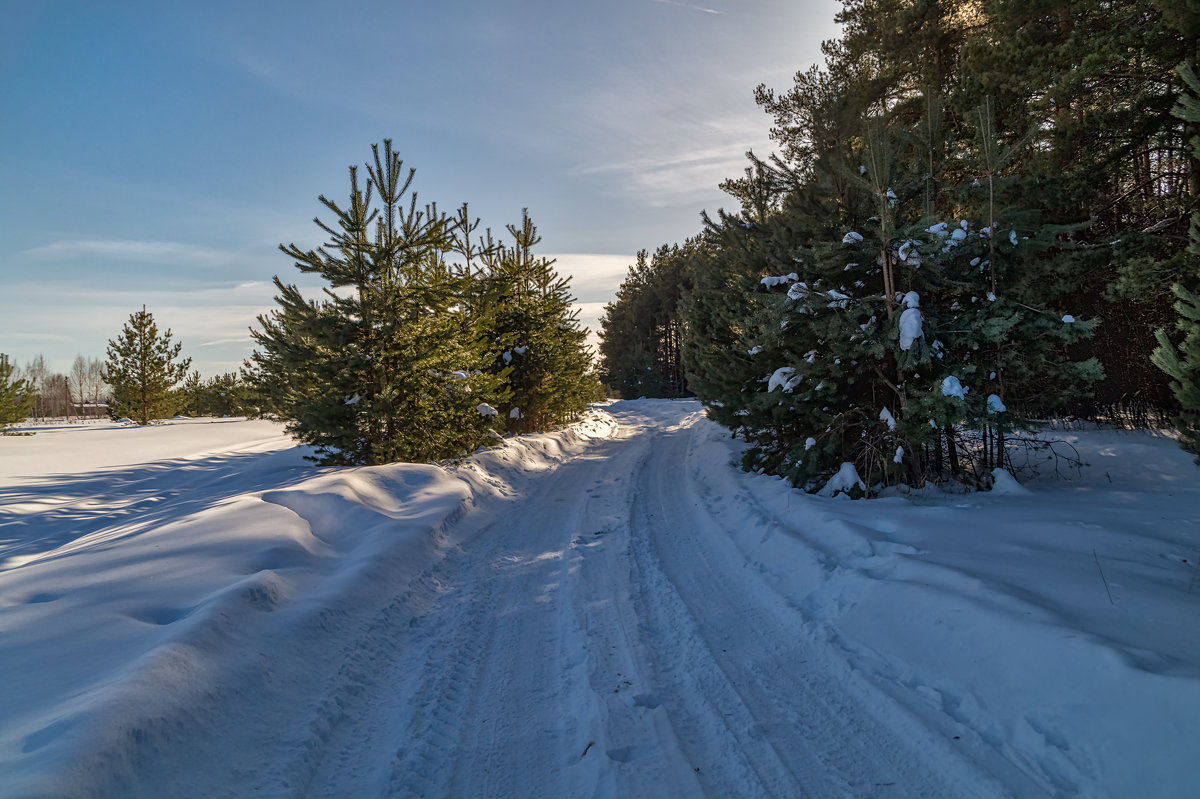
{"x": 137, "y": 596}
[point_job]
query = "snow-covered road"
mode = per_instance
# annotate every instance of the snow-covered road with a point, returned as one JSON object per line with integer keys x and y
{"x": 608, "y": 612}
{"x": 600, "y": 636}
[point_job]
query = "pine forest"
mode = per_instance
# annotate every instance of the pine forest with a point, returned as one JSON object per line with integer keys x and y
{"x": 977, "y": 220}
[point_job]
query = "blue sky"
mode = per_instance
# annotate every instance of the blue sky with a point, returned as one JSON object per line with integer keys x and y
{"x": 157, "y": 153}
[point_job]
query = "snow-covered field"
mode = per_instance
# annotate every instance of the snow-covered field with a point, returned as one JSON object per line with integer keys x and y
{"x": 193, "y": 610}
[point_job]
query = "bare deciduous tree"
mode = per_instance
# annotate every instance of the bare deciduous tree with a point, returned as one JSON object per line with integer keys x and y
{"x": 77, "y": 382}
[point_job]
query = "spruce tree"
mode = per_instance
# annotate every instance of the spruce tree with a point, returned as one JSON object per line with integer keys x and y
{"x": 16, "y": 396}
{"x": 389, "y": 365}
{"x": 142, "y": 369}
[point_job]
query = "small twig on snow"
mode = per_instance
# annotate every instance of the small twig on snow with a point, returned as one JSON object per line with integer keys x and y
{"x": 1102, "y": 577}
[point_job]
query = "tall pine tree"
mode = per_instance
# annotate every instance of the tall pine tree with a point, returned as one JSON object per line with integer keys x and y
{"x": 889, "y": 295}
{"x": 642, "y": 330}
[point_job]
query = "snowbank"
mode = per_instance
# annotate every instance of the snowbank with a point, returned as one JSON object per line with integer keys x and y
{"x": 139, "y": 594}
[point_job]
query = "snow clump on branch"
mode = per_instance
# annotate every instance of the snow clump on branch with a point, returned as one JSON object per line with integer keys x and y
{"x": 910, "y": 321}
{"x": 784, "y": 377}
{"x": 951, "y": 387}
{"x": 771, "y": 281}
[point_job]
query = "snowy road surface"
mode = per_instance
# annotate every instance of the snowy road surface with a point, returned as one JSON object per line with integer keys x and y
{"x": 598, "y": 636}
{"x": 616, "y": 612}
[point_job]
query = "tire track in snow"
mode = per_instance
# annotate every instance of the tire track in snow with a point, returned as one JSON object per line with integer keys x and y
{"x": 482, "y": 692}
{"x": 980, "y": 761}
{"x": 632, "y": 746}
{"x": 529, "y": 672}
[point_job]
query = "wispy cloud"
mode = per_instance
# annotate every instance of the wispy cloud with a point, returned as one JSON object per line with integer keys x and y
{"x": 689, "y": 5}
{"x": 231, "y": 340}
{"x": 21, "y": 336}
{"x": 664, "y": 126}
{"x": 131, "y": 250}
{"x": 594, "y": 281}
{"x": 672, "y": 178}
{"x": 212, "y": 321}
{"x": 676, "y": 158}
{"x": 589, "y": 317}
{"x": 594, "y": 277}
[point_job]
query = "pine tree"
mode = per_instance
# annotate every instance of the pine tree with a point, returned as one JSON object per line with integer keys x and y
{"x": 863, "y": 315}
{"x": 642, "y": 330}
{"x": 624, "y": 345}
{"x": 223, "y": 395}
{"x": 731, "y": 322}
{"x": 1091, "y": 87}
{"x": 16, "y": 396}
{"x": 191, "y": 395}
{"x": 540, "y": 349}
{"x": 389, "y": 365}
{"x": 143, "y": 368}
{"x": 1182, "y": 364}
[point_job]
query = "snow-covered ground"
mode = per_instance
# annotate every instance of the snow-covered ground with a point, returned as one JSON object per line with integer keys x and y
{"x": 193, "y": 610}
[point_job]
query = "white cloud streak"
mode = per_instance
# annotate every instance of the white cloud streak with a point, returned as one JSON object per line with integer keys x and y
{"x": 212, "y": 322}
{"x": 690, "y": 6}
{"x": 594, "y": 282}
{"x": 21, "y": 336}
{"x": 130, "y": 250}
